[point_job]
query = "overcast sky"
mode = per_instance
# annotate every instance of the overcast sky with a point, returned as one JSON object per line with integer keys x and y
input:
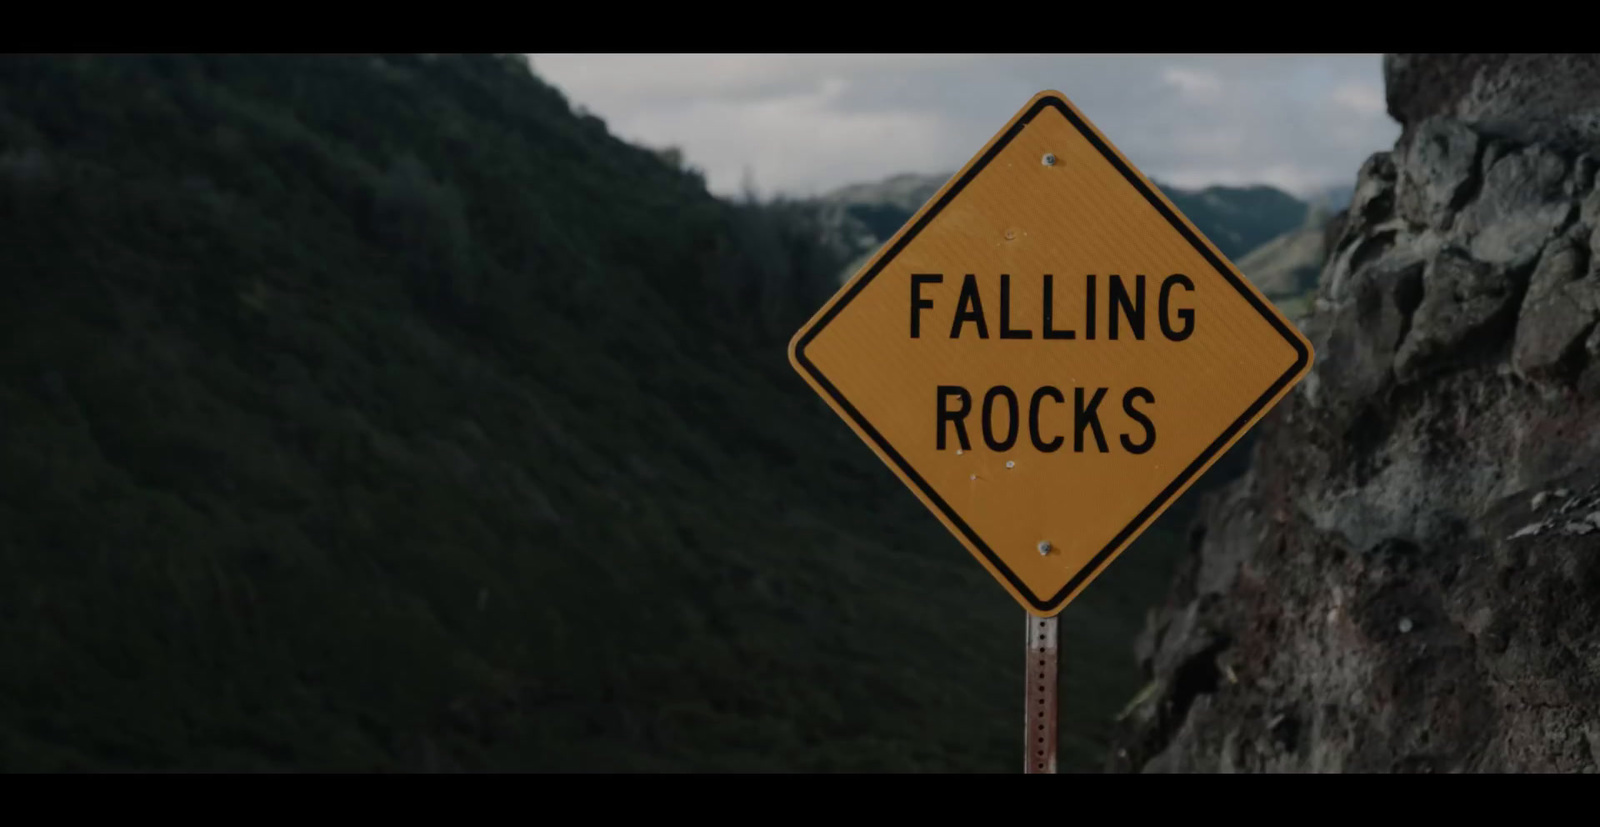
{"x": 804, "y": 124}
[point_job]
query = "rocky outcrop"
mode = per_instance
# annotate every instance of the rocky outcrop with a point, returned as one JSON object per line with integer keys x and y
{"x": 1408, "y": 579}
{"x": 1536, "y": 98}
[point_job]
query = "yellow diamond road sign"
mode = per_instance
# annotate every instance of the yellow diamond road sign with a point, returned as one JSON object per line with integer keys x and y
{"x": 1048, "y": 354}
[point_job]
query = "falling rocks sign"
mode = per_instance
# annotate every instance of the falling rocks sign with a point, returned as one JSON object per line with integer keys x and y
{"x": 1048, "y": 353}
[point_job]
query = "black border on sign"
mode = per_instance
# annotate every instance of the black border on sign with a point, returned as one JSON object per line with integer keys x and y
{"x": 1302, "y": 354}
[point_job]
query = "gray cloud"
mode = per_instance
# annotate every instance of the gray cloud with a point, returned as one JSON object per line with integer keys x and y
{"x": 804, "y": 124}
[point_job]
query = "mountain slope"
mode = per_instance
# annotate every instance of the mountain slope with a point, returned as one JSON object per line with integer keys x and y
{"x": 1286, "y": 268}
{"x": 382, "y": 413}
{"x": 1287, "y": 265}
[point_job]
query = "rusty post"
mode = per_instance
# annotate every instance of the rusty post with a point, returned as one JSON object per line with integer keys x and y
{"x": 1040, "y": 723}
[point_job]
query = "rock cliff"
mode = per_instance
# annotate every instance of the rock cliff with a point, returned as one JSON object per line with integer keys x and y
{"x": 1408, "y": 579}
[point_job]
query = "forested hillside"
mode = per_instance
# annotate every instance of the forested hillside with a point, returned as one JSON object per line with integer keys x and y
{"x": 383, "y": 413}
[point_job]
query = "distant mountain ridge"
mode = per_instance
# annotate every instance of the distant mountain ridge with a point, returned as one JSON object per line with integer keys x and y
{"x": 1334, "y": 199}
{"x": 860, "y": 217}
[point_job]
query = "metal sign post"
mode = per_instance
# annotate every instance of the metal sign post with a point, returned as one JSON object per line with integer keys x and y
{"x": 1039, "y": 725}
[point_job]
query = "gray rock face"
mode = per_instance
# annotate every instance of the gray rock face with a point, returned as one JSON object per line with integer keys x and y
{"x": 1525, "y": 199}
{"x": 1589, "y": 213}
{"x": 1464, "y": 301}
{"x": 1559, "y": 311}
{"x": 1438, "y": 172}
{"x": 1408, "y": 579}
{"x": 1546, "y": 99}
{"x": 1373, "y": 200}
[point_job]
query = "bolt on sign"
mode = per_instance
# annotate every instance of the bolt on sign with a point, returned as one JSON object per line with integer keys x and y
{"x": 1048, "y": 354}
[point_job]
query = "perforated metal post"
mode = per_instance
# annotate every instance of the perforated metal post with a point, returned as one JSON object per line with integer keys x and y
{"x": 1040, "y": 725}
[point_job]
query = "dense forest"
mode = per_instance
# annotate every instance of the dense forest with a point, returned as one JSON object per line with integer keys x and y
{"x": 385, "y": 413}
